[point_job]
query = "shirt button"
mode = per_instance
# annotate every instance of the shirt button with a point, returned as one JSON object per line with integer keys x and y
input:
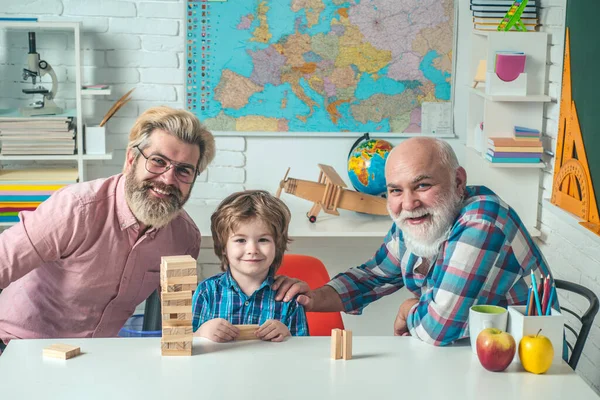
{"x": 246, "y": 303}
{"x": 137, "y": 226}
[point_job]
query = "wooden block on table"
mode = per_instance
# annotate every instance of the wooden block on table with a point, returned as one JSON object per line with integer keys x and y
{"x": 62, "y": 351}
{"x": 247, "y": 332}
{"x": 347, "y": 345}
{"x": 336, "y": 344}
{"x": 179, "y": 348}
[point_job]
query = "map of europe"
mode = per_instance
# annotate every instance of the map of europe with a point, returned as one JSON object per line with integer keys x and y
{"x": 317, "y": 65}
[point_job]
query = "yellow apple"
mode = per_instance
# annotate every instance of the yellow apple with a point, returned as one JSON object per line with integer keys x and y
{"x": 536, "y": 353}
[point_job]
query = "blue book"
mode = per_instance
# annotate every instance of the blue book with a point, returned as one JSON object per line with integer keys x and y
{"x": 18, "y": 19}
{"x": 511, "y": 160}
{"x": 524, "y": 129}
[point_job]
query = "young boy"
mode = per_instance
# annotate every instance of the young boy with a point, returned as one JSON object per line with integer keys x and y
{"x": 250, "y": 234}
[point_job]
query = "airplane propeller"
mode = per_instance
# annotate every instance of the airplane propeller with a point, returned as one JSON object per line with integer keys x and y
{"x": 282, "y": 183}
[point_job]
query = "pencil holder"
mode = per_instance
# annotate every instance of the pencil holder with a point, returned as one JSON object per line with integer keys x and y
{"x": 95, "y": 140}
{"x": 552, "y": 327}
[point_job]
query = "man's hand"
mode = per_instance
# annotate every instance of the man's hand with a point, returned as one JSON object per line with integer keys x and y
{"x": 287, "y": 288}
{"x": 400, "y": 327}
{"x": 273, "y": 330}
{"x": 218, "y": 330}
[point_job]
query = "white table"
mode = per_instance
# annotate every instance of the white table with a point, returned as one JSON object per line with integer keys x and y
{"x": 300, "y": 368}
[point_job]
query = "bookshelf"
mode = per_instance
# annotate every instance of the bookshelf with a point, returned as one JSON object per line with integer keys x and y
{"x": 500, "y": 113}
{"x": 74, "y": 164}
{"x": 79, "y": 158}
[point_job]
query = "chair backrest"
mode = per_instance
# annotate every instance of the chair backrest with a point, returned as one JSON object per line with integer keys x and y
{"x": 312, "y": 271}
{"x": 586, "y": 318}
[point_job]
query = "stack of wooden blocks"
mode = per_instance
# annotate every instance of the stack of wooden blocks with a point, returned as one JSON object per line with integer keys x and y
{"x": 178, "y": 278}
{"x": 341, "y": 344}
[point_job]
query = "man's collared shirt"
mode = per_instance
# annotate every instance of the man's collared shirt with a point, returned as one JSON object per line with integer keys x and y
{"x": 78, "y": 265}
{"x": 487, "y": 258}
{"x": 221, "y": 297}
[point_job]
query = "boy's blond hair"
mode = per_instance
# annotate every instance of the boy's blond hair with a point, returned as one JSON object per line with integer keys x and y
{"x": 246, "y": 206}
{"x": 182, "y": 124}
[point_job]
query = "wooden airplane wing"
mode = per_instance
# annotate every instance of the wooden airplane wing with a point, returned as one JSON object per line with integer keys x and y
{"x": 330, "y": 175}
{"x": 364, "y": 203}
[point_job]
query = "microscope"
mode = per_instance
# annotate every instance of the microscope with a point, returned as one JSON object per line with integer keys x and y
{"x": 38, "y": 68}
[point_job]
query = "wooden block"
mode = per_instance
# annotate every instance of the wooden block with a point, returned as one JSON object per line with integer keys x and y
{"x": 247, "y": 332}
{"x": 176, "y": 280}
{"x": 180, "y": 348}
{"x": 62, "y": 351}
{"x": 347, "y": 345}
{"x": 183, "y": 298}
{"x": 336, "y": 344}
{"x": 179, "y": 319}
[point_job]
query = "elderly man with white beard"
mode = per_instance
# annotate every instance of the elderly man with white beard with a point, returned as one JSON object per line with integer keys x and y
{"x": 80, "y": 263}
{"x": 451, "y": 245}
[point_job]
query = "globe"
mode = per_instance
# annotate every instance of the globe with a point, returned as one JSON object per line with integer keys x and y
{"x": 366, "y": 166}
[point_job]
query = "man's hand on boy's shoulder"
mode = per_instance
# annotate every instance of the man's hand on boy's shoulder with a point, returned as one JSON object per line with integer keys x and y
{"x": 273, "y": 330}
{"x": 218, "y": 330}
{"x": 287, "y": 288}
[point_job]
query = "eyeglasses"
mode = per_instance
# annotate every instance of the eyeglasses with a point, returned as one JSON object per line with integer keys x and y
{"x": 157, "y": 164}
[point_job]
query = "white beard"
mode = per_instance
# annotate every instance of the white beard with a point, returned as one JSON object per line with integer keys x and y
{"x": 424, "y": 240}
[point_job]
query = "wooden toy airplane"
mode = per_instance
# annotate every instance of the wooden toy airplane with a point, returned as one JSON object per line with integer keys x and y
{"x": 330, "y": 193}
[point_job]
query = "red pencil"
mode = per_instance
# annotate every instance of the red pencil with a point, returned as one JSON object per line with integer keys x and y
{"x": 546, "y": 295}
{"x": 540, "y": 288}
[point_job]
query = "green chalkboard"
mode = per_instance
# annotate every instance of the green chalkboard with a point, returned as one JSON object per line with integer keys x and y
{"x": 582, "y": 21}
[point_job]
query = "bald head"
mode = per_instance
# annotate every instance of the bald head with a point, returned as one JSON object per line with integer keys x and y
{"x": 424, "y": 151}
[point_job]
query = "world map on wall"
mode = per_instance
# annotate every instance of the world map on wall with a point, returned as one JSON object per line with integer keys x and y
{"x": 317, "y": 65}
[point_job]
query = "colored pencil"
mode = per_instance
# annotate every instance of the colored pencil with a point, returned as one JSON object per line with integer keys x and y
{"x": 534, "y": 288}
{"x": 546, "y": 295}
{"x": 551, "y": 300}
{"x": 529, "y": 301}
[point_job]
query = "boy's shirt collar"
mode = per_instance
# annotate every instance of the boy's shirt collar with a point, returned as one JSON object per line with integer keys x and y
{"x": 228, "y": 282}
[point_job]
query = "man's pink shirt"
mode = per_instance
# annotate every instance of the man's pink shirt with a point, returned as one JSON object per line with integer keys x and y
{"x": 75, "y": 267}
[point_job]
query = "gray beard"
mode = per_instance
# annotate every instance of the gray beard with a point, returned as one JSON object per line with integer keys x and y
{"x": 426, "y": 241}
{"x": 149, "y": 210}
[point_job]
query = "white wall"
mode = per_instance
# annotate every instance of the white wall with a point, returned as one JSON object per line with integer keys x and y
{"x": 572, "y": 251}
{"x": 140, "y": 44}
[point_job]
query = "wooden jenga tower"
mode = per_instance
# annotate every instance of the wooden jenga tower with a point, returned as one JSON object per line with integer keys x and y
{"x": 178, "y": 279}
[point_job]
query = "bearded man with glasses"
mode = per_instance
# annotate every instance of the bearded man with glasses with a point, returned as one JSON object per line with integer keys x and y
{"x": 80, "y": 263}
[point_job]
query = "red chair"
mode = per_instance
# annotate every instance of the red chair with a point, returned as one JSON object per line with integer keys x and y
{"x": 312, "y": 271}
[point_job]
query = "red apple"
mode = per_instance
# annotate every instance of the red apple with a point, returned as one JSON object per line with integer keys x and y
{"x": 495, "y": 349}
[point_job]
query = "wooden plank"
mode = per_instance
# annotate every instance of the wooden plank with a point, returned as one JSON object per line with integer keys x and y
{"x": 332, "y": 175}
{"x": 173, "y": 296}
{"x": 346, "y": 345}
{"x": 176, "y": 309}
{"x": 336, "y": 344}
{"x": 61, "y": 351}
{"x": 247, "y": 332}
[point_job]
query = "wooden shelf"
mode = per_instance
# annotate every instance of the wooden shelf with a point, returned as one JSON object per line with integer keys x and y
{"x": 58, "y": 157}
{"x": 529, "y": 98}
{"x": 95, "y": 92}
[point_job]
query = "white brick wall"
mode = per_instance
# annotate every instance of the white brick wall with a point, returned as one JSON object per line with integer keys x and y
{"x": 572, "y": 252}
{"x": 127, "y": 44}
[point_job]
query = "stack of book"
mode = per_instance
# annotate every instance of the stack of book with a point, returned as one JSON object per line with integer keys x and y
{"x": 25, "y": 190}
{"x": 522, "y": 132}
{"x": 37, "y": 136}
{"x": 488, "y": 14}
{"x": 512, "y": 150}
